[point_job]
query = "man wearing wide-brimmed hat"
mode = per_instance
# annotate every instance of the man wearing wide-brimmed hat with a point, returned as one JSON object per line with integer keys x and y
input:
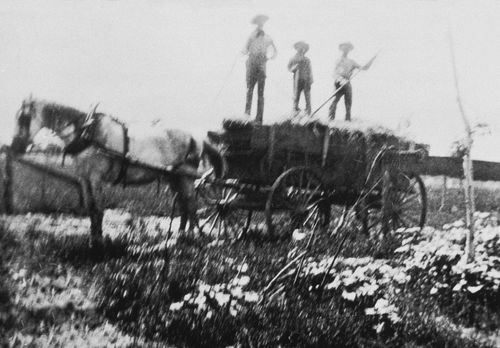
{"x": 300, "y": 65}
{"x": 257, "y": 48}
{"x": 344, "y": 68}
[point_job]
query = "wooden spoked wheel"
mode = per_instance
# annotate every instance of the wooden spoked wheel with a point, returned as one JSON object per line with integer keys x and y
{"x": 217, "y": 213}
{"x": 296, "y": 201}
{"x": 400, "y": 203}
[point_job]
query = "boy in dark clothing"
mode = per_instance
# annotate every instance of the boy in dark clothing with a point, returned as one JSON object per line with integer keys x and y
{"x": 300, "y": 65}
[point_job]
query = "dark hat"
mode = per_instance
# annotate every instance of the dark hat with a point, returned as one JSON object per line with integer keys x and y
{"x": 260, "y": 19}
{"x": 301, "y": 46}
{"x": 346, "y": 46}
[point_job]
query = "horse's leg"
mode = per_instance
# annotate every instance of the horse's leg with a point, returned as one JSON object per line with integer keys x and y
{"x": 184, "y": 215}
{"x": 90, "y": 167}
{"x": 175, "y": 185}
{"x": 188, "y": 201}
{"x": 172, "y": 212}
{"x": 95, "y": 213}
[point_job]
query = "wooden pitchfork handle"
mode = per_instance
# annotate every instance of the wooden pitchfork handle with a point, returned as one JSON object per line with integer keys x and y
{"x": 335, "y": 93}
{"x": 326, "y": 144}
{"x": 341, "y": 86}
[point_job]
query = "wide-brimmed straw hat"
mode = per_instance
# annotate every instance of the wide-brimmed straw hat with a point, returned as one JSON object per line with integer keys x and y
{"x": 260, "y": 19}
{"x": 346, "y": 46}
{"x": 301, "y": 46}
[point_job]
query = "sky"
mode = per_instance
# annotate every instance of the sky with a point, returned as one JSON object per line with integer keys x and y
{"x": 181, "y": 61}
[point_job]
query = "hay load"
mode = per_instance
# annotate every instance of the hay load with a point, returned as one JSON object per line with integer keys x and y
{"x": 340, "y": 150}
{"x": 242, "y": 134}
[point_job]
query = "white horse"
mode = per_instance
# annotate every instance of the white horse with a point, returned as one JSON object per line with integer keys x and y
{"x": 107, "y": 151}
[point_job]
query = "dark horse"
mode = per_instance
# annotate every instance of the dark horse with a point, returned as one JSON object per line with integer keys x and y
{"x": 107, "y": 151}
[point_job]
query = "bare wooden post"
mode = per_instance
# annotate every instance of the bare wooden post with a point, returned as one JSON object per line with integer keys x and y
{"x": 7, "y": 193}
{"x": 467, "y": 163}
{"x": 469, "y": 204}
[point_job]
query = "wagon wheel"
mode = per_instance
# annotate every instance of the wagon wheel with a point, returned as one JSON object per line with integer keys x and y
{"x": 216, "y": 213}
{"x": 401, "y": 202}
{"x": 296, "y": 201}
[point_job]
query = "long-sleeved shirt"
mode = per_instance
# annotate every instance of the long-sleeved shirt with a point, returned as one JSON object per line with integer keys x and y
{"x": 301, "y": 68}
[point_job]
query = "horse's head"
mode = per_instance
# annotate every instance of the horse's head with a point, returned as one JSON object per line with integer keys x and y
{"x": 25, "y": 128}
{"x": 68, "y": 124}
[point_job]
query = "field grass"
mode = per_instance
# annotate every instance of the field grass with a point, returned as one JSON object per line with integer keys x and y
{"x": 487, "y": 199}
{"x": 141, "y": 290}
{"x": 134, "y": 282}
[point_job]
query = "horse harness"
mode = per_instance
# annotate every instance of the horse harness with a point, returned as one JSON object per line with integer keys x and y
{"x": 124, "y": 161}
{"x": 122, "y": 156}
{"x": 85, "y": 139}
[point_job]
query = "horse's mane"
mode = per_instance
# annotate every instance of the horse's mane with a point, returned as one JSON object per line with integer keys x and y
{"x": 53, "y": 113}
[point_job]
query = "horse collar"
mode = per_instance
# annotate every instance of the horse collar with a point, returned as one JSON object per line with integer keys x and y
{"x": 124, "y": 159}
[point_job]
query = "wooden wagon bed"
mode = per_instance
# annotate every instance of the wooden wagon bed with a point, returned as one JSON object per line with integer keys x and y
{"x": 301, "y": 171}
{"x": 260, "y": 153}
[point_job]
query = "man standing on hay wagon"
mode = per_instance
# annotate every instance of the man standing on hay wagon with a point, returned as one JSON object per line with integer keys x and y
{"x": 300, "y": 65}
{"x": 344, "y": 69}
{"x": 257, "y": 48}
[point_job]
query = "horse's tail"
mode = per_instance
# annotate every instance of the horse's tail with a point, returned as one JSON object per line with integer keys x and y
{"x": 215, "y": 158}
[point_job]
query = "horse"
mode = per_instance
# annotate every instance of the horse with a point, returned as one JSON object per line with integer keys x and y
{"x": 106, "y": 151}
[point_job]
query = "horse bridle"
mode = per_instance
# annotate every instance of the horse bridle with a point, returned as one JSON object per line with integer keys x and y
{"x": 25, "y": 117}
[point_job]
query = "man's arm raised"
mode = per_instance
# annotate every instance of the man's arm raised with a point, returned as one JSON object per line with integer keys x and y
{"x": 369, "y": 64}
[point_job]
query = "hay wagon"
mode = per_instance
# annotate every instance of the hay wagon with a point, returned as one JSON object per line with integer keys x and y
{"x": 287, "y": 176}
